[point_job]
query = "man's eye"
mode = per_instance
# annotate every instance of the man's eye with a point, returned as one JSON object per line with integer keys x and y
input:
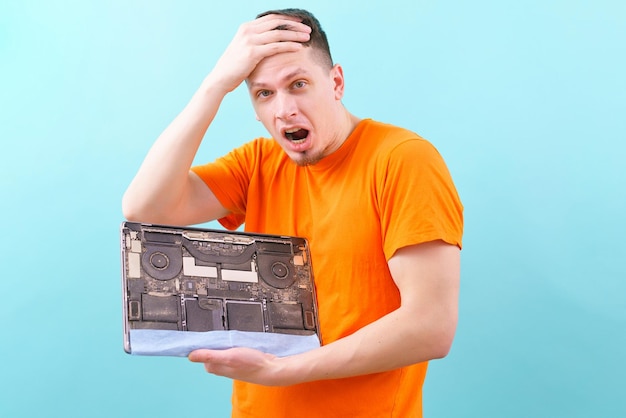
{"x": 299, "y": 84}
{"x": 263, "y": 93}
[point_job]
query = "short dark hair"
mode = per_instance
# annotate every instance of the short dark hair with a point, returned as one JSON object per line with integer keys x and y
{"x": 318, "y": 39}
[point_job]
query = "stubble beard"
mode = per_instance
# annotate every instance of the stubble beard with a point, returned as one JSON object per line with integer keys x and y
{"x": 307, "y": 158}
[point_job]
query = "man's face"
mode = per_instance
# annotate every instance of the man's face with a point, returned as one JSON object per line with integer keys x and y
{"x": 298, "y": 100}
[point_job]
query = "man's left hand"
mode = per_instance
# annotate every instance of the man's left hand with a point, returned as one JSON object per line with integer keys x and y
{"x": 244, "y": 364}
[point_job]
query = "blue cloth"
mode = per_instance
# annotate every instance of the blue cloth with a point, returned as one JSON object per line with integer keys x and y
{"x": 149, "y": 342}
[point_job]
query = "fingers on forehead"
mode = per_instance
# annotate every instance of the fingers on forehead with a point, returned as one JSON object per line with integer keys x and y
{"x": 289, "y": 22}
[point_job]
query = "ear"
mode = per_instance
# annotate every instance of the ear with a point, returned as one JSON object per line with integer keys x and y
{"x": 338, "y": 82}
{"x": 257, "y": 117}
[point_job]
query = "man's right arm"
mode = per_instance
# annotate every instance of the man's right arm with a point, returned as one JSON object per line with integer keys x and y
{"x": 164, "y": 189}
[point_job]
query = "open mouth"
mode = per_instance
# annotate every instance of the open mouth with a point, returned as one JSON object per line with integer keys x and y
{"x": 296, "y": 135}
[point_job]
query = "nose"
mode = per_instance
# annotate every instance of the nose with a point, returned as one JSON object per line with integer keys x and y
{"x": 286, "y": 107}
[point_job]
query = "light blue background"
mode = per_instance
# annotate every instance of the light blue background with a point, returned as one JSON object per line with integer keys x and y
{"x": 526, "y": 101}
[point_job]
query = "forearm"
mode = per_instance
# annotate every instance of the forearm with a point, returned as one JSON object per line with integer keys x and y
{"x": 162, "y": 181}
{"x": 421, "y": 329}
{"x": 398, "y": 339}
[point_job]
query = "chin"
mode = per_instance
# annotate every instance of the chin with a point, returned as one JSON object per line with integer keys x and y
{"x": 306, "y": 158}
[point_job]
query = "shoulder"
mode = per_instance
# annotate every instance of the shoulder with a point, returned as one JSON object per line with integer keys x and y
{"x": 386, "y": 141}
{"x": 377, "y": 128}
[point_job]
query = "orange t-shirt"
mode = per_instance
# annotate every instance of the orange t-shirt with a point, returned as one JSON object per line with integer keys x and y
{"x": 385, "y": 188}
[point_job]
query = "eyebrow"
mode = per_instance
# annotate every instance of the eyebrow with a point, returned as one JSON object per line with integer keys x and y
{"x": 298, "y": 71}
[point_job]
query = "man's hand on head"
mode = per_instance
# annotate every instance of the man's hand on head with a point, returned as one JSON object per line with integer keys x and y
{"x": 255, "y": 40}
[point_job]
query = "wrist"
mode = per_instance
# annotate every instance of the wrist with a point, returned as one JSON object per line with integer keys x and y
{"x": 290, "y": 370}
{"x": 215, "y": 84}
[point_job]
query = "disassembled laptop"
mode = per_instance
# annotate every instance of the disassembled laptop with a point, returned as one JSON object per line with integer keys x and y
{"x": 195, "y": 279}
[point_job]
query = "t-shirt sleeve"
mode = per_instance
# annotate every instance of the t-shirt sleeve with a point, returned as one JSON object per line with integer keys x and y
{"x": 418, "y": 201}
{"x": 228, "y": 177}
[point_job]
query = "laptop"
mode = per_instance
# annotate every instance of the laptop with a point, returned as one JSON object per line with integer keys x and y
{"x": 179, "y": 282}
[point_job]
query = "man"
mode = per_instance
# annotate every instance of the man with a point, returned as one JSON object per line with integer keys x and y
{"x": 375, "y": 201}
